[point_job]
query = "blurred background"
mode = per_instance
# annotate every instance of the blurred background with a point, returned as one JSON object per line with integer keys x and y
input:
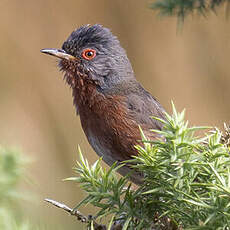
{"x": 189, "y": 66}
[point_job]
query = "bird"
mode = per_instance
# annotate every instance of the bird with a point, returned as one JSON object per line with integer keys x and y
{"x": 111, "y": 103}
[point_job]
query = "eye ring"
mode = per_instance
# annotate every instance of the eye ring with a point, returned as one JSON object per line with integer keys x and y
{"x": 88, "y": 54}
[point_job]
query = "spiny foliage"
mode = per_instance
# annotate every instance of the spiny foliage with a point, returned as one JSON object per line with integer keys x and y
{"x": 181, "y": 8}
{"x": 186, "y": 179}
{"x": 11, "y": 172}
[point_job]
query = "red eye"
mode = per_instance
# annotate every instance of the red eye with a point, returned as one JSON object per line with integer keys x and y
{"x": 89, "y": 54}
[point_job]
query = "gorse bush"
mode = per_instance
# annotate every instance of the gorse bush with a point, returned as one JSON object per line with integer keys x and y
{"x": 182, "y": 8}
{"x": 11, "y": 172}
{"x": 186, "y": 181}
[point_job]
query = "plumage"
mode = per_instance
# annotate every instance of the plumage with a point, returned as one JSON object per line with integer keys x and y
{"x": 111, "y": 103}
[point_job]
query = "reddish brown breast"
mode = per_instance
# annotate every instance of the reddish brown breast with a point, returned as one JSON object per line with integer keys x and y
{"x": 106, "y": 123}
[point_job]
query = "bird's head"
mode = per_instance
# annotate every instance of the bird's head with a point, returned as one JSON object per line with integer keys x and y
{"x": 94, "y": 53}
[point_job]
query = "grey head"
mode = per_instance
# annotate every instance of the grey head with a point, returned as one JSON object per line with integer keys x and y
{"x": 94, "y": 51}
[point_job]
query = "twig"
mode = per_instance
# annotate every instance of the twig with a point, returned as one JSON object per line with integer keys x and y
{"x": 79, "y": 215}
{"x": 226, "y": 136}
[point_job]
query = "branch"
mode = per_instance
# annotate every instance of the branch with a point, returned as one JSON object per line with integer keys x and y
{"x": 226, "y": 136}
{"x": 76, "y": 213}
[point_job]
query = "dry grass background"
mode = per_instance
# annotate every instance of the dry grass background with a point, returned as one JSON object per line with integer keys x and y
{"x": 36, "y": 113}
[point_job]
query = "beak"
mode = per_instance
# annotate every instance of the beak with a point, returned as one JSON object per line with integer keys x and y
{"x": 59, "y": 53}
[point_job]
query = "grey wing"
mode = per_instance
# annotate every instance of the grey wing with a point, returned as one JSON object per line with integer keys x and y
{"x": 142, "y": 107}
